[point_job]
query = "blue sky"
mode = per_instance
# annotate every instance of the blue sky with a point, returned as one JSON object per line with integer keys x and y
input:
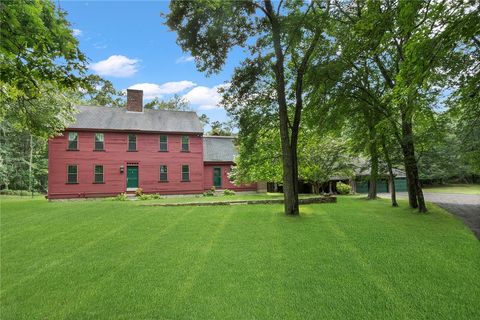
{"x": 128, "y": 44}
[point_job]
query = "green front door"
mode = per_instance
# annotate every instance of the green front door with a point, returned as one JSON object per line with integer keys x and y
{"x": 132, "y": 177}
{"x": 217, "y": 177}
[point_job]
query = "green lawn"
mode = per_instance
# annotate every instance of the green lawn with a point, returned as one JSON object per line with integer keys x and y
{"x": 118, "y": 260}
{"x": 455, "y": 188}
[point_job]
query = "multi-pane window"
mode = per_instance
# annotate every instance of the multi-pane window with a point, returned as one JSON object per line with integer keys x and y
{"x": 163, "y": 142}
{"x": 99, "y": 139}
{"x": 163, "y": 173}
{"x": 185, "y": 143}
{"x": 132, "y": 142}
{"x": 98, "y": 174}
{"x": 73, "y": 141}
{"x": 72, "y": 173}
{"x": 185, "y": 173}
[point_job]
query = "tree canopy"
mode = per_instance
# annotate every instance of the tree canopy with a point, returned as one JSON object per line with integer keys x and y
{"x": 40, "y": 66}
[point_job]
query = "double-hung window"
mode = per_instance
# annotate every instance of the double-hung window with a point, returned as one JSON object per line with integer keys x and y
{"x": 99, "y": 142}
{"x": 73, "y": 141}
{"x": 132, "y": 142}
{"x": 185, "y": 143}
{"x": 98, "y": 174}
{"x": 185, "y": 172}
{"x": 163, "y": 142}
{"x": 163, "y": 173}
{"x": 72, "y": 173}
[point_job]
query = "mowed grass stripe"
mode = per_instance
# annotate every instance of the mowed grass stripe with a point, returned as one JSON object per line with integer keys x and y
{"x": 65, "y": 235}
{"x": 158, "y": 276}
{"x": 18, "y": 212}
{"x": 81, "y": 271}
{"x": 38, "y": 225}
{"x": 317, "y": 270}
{"x": 427, "y": 257}
{"x": 23, "y": 221}
{"x": 39, "y": 233}
{"x": 60, "y": 257}
{"x": 196, "y": 268}
{"x": 246, "y": 269}
{"x": 372, "y": 276}
{"x": 126, "y": 262}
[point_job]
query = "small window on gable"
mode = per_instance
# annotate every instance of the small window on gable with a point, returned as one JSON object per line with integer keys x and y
{"x": 163, "y": 173}
{"x": 98, "y": 174}
{"x": 72, "y": 173}
{"x": 185, "y": 143}
{"x": 185, "y": 173}
{"x": 132, "y": 142}
{"x": 163, "y": 142}
{"x": 73, "y": 141}
{"x": 99, "y": 141}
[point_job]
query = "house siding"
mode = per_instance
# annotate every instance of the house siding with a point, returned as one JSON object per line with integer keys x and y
{"x": 148, "y": 157}
{"x": 226, "y": 183}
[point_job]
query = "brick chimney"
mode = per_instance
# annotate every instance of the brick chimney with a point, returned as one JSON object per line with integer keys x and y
{"x": 134, "y": 100}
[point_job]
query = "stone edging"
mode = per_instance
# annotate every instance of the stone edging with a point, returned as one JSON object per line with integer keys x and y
{"x": 242, "y": 202}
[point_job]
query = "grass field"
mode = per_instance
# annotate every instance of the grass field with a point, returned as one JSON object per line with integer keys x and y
{"x": 455, "y": 188}
{"x": 118, "y": 260}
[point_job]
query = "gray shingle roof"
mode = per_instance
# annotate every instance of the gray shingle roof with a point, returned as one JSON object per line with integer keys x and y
{"x": 221, "y": 149}
{"x": 111, "y": 118}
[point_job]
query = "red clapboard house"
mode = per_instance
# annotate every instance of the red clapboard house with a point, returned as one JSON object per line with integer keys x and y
{"x": 110, "y": 150}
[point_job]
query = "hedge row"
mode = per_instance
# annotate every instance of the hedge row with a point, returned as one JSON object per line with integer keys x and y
{"x": 9, "y": 192}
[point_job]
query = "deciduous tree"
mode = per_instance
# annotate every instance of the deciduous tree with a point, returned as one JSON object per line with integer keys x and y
{"x": 38, "y": 55}
{"x": 281, "y": 37}
{"x": 175, "y": 103}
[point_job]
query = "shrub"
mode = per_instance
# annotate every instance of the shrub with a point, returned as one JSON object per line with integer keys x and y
{"x": 228, "y": 192}
{"x": 343, "y": 188}
{"x": 156, "y": 196}
{"x": 145, "y": 197}
{"x": 8, "y": 192}
{"x": 138, "y": 192}
{"x": 208, "y": 193}
{"x": 121, "y": 197}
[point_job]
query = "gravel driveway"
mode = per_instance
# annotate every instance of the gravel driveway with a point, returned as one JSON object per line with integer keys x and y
{"x": 466, "y": 206}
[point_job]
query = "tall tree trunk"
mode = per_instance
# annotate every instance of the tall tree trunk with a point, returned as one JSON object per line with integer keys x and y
{"x": 289, "y": 159}
{"x": 353, "y": 184}
{"x": 316, "y": 187}
{"x": 294, "y": 178}
{"x": 393, "y": 192}
{"x": 289, "y": 142}
{"x": 411, "y": 189}
{"x": 415, "y": 193}
{"x": 372, "y": 191}
{"x": 30, "y": 164}
{"x": 421, "y": 200}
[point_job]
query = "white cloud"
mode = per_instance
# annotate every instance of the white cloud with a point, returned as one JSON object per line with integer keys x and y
{"x": 207, "y": 98}
{"x": 77, "y": 32}
{"x": 152, "y": 90}
{"x": 116, "y": 66}
{"x": 184, "y": 59}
